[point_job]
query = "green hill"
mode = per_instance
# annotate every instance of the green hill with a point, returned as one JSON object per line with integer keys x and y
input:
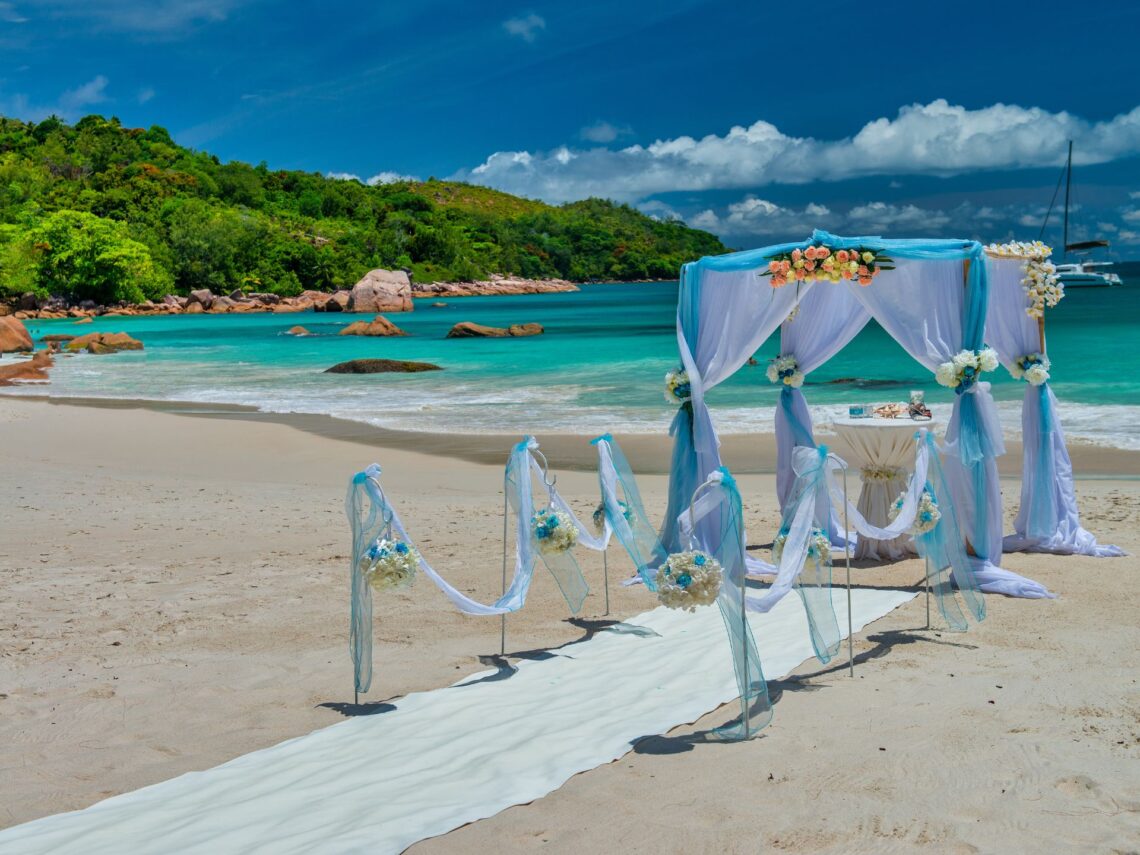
{"x": 98, "y": 211}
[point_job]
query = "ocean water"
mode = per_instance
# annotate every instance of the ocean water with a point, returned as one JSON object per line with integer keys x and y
{"x": 599, "y": 367}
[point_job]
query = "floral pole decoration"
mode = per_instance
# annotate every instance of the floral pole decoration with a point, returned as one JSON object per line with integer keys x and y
{"x": 688, "y": 579}
{"x": 1041, "y": 283}
{"x": 819, "y": 264}
{"x": 554, "y": 531}
{"x": 785, "y": 369}
{"x": 964, "y": 369}
{"x": 600, "y": 515}
{"x": 1033, "y": 368}
{"x": 927, "y": 516}
{"x": 677, "y": 388}
{"x": 390, "y": 564}
{"x": 819, "y": 546}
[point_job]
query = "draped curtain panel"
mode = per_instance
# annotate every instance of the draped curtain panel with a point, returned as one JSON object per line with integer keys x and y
{"x": 826, "y": 320}
{"x": 1048, "y": 519}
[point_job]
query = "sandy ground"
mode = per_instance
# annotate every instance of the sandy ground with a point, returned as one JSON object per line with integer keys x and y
{"x": 174, "y": 595}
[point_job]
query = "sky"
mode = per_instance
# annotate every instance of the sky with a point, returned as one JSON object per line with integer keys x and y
{"x": 755, "y": 120}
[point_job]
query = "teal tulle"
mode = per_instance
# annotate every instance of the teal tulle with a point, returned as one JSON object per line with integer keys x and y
{"x": 368, "y": 522}
{"x": 726, "y": 518}
{"x": 683, "y": 477}
{"x": 944, "y": 550}
{"x": 1042, "y": 518}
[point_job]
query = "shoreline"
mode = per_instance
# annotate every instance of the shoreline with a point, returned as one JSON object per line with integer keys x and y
{"x": 748, "y": 454}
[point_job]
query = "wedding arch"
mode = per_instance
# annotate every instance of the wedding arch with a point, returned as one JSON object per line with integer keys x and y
{"x": 957, "y": 307}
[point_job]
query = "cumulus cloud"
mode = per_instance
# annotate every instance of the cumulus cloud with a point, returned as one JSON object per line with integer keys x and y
{"x": 604, "y": 132}
{"x": 525, "y": 27}
{"x": 934, "y": 139}
{"x": 756, "y": 219}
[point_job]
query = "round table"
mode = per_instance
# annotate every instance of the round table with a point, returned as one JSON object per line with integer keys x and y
{"x": 884, "y": 450}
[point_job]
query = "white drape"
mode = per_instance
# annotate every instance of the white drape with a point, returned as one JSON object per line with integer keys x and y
{"x": 1045, "y": 459}
{"x": 921, "y": 305}
{"x": 828, "y": 317}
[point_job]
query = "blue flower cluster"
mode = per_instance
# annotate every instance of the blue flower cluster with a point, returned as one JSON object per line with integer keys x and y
{"x": 545, "y": 528}
{"x": 377, "y": 551}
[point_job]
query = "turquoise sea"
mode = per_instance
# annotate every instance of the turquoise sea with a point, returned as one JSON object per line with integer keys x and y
{"x": 599, "y": 367}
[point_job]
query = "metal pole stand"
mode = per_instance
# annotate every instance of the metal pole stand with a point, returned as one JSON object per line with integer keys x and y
{"x": 606, "y": 574}
{"x": 847, "y": 559}
{"x": 926, "y": 564}
{"x": 503, "y": 616}
{"x": 747, "y": 707}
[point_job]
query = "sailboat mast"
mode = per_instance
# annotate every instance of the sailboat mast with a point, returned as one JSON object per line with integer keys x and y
{"x": 1068, "y": 184}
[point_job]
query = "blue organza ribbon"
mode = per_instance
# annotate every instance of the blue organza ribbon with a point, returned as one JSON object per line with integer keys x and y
{"x": 944, "y": 549}
{"x": 725, "y": 521}
{"x": 635, "y": 533}
{"x": 1042, "y": 522}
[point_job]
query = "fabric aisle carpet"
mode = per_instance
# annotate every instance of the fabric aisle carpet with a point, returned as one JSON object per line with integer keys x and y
{"x": 441, "y": 759}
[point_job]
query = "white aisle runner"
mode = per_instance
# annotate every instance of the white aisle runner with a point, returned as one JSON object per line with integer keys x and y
{"x": 440, "y": 759}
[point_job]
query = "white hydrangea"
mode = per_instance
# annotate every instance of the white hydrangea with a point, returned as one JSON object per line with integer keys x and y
{"x": 818, "y": 544}
{"x": 1033, "y": 368}
{"x": 554, "y": 531}
{"x": 785, "y": 369}
{"x": 687, "y": 580}
{"x": 987, "y": 359}
{"x": 925, "y": 518}
{"x": 964, "y": 368}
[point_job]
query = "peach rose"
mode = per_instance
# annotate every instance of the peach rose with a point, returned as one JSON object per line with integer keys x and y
{"x": 809, "y": 266}
{"x": 863, "y": 271}
{"x": 864, "y": 281}
{"x": 796, "y": 255}
{"x": 842, "y": 256}
{"x": 785, "y": 266}
{"x": 773, "y": 266}
{"x": 800, "y": 274}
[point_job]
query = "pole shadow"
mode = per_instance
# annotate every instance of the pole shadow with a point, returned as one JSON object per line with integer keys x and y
{"x": 350, "y": 710}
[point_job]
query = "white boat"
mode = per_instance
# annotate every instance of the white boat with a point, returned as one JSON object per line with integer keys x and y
{"x": 1084, "y": 275}
{"x": 1081, "y": 273}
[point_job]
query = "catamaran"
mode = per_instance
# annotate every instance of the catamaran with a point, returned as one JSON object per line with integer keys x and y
{"x": 1081, "y": 273}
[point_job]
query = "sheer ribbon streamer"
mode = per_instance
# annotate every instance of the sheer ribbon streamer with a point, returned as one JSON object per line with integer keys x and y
{"x": 714, "y": 523}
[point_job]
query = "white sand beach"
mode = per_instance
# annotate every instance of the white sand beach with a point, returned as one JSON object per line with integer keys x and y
{"x": 175, "y": 596}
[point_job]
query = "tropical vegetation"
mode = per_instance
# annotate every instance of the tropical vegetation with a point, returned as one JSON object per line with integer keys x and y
{"x": 97, "y": 211}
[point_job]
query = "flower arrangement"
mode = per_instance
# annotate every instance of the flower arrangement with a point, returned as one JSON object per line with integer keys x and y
{"x": 677, "y": 389}
{"x": 1033, "y": 368}
{"x": 927, "y": 516}
{"x": 554, "y": 530}
{"x": 1041, "y": 283}
{"x": 819, "y": 263}
{"x": 785, "y": 369}
{"x": 688, "y": 579}
{"x": 600, "y": 515}
{"x": 963, "y": 370}
{"x": 881, "y": 473}
{"x": 389, "y": 564}
{"x": 819, "y": 545}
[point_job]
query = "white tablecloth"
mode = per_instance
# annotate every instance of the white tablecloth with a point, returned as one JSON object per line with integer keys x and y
{"x": 884, "y": 450}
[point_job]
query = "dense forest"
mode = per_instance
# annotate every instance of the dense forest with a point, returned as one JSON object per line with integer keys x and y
{"x": 96, "y": 211}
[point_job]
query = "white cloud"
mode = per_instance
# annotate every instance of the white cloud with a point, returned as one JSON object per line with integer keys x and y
{"x": 1135, "y": 194}
{"x": 156, "y": 17}
{"x": 9, "y": 14}
{"x": 71, "y": 104}
{"x": 1131, "y": 215}
{"x": 81, "y": 97}
{"x": 525, "y": 27}
{"x": 604, "y": 132}
{"x": 1128, "y": 236}
{"x": 388, "y": 178}
{"x": 145, "y": 94}
{"x": 378, "y": 178}
{"x": 659, "y": 210}
{"x": 934, "y": 139}
{"x": 756, "y": 219}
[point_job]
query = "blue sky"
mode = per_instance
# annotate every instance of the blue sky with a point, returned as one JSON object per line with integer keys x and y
{"x": 755, "y": 120}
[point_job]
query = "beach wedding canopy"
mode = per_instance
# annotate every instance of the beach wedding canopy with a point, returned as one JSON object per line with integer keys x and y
{"x": 956, "y": 306}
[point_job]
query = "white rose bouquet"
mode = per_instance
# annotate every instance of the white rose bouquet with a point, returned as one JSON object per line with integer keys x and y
{"x": 1033, "y": 368}
{"x": 390, "y": 564}
{"x": 688, "y": 579}
{"x": 554, "y": 530}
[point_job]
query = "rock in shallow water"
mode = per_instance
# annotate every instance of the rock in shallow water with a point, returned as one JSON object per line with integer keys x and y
{"x": 379, "y": 325}
{"x": 104, "y": 343}
{"x": 381, "y": 366}
{"x": 466, "y": 329}
{"x": 14, "y": 336}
